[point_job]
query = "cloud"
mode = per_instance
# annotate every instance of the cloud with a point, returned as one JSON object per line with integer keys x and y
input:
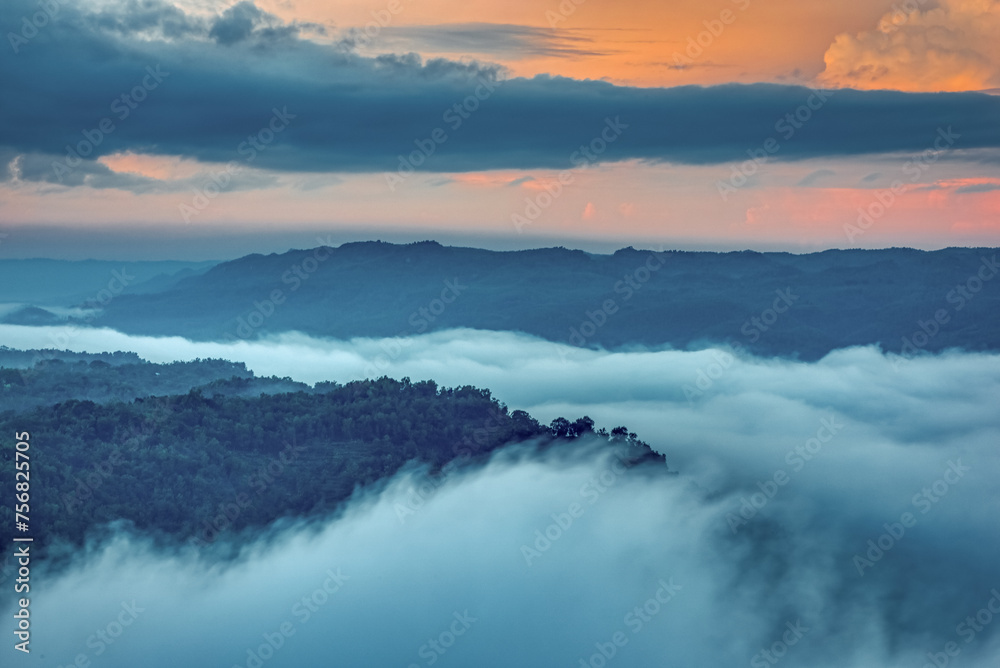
{"x": 161, "y": 20}
{"x": 979, "y": 188}
{"x": 949, "y": 45}
{"x": 670, "y": 394}
{"x": 812, "y": 177}
{"x": 151, "y": 18}
{"x": 35, "y": 167}
{"x": 213, "y": 100}
{"x": 239, "y": 22}
{"x": 699, "y": 64}
{"x": 489, "y": 39}
{"x": 27, "y": 168}
{"x": 860, "y": 438}
{"x": 963, "y": 186}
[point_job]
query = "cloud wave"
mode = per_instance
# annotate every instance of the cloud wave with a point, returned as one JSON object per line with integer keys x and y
{"x": 847, "y": 504}
{"x": 948, "y": 45}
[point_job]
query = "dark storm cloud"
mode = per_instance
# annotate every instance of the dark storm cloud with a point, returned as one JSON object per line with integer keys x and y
{"x": 224, "y": 79}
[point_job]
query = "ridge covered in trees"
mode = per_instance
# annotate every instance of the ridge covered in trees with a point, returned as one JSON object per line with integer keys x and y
{"x": 210, "y": 460}
{"x": 35, "y": 378}
{"x": 770, "y": 303}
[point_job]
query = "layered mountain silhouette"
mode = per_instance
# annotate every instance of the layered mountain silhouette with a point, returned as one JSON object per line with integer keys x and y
{"x": 772, "y": 303}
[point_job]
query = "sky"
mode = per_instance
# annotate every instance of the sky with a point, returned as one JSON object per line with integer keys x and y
{"x": 201, "y": 129}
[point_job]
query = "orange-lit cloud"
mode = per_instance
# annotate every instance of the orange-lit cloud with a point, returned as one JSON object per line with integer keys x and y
{"x": 969, "y": 185}
{"x": 953, "y": 46}
{"x": 485, "y": 179}
{"x": 163, "y": 168}
{"x": 635, "y": 42}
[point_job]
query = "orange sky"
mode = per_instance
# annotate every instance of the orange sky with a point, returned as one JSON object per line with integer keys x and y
{"x": 645, "y": 202}
{"x": 638, "y": 40}
{"x": 641, "y": 42}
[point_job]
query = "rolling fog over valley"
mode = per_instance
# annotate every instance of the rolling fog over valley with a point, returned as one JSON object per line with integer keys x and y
{"x": 785, "y": 471}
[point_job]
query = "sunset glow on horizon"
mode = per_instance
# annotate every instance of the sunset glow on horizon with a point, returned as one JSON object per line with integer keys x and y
{"x": 684, "y": 164}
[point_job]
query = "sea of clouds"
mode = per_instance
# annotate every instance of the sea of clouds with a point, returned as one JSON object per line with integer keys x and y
{"x": 835, "y": 513}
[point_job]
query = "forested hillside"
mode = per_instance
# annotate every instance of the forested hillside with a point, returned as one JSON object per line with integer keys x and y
{"x": 770, "y": 303}
{"x": 208, "y": 461}
{"x": 44, "y": 377}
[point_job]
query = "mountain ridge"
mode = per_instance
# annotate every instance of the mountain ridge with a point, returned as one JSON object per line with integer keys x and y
{"x": 630, "y": 297}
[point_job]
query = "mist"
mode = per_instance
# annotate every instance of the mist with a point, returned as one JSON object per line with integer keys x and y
{"x": 838, "y": 513}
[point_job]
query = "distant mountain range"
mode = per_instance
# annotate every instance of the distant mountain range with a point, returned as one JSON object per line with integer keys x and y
{"x": 63, "y": 283}
{"x": 771, "y": 303}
